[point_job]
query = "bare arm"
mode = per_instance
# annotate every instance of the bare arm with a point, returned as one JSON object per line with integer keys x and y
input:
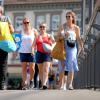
{"x": 11, "y": 28}
{"x": 52, "y": 38}
{"x": 10, "y": 25}
{"x": 34, "y": 42}
{"x": 36, "y": 35}
{"x": 59, "y": 35}
{"x": 77, "y": 29}
{"x": 35, "y": 32}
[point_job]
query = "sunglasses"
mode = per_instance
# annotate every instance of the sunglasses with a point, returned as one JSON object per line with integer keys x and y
{"x": 26, "y": 22}
{"x": 42, "y": 26}
{"x": 68, "y": 16}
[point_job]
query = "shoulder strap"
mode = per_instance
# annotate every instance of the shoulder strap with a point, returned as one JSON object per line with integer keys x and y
{"x": 51, "y": 36}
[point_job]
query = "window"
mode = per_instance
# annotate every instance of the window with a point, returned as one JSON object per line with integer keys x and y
{"x": 40, "y": 19}
{"x": 18, "y": 18}
{"x": 55, "y": 22}
{"x": 18, "y": 21}
{"x": 51, "y": 18}
{"x": 1, "y": 2}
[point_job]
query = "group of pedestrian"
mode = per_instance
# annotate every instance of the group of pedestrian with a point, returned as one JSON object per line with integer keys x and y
{"x": 32, "y": 53}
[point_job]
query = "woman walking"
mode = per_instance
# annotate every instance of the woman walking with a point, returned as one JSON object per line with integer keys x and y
{"x": 71, "y": 33}
{"x": 43, "y": 58}
{"x": 26, "y": 51}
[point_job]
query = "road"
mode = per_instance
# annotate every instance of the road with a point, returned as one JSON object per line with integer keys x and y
{"x": 49, "y": 95}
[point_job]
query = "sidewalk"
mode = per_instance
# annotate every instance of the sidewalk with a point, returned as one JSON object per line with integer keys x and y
{"x": 49, "y": 95}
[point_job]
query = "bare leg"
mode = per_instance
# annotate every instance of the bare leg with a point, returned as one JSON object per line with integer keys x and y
{"x": 40, "y": 67}
{"x": 70, "y": 82}
{"x": 46, "y": 66}
{"x": 61, "y": 78}
{"x": 65, "y": 79}
{"x": 24, "y": 72}
{"x": 32, "y": 71}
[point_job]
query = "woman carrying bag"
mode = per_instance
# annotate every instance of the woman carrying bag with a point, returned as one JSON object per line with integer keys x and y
{"x": 71, "y": 33}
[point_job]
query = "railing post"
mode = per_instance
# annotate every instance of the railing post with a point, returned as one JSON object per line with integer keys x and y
{"x": 91, "y": 6}
{"x": 83, "y": 3}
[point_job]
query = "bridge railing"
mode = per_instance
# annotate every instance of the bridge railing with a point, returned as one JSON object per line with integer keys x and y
{"x": 89, "y": 62}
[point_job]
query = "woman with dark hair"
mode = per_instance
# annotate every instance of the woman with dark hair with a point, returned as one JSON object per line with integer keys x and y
{"x": 71, "y": 33}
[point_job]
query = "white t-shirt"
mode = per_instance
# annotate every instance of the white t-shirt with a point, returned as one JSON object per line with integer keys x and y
{"x": 27, "y": 41}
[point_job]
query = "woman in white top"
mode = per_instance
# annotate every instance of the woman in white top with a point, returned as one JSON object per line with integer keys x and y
{"x": 71, "y": 33}
{"x": 27, "y": 57}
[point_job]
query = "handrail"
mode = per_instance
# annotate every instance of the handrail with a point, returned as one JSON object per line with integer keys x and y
{"x": 97, "y": 7}
{"x": 91, "y": 24}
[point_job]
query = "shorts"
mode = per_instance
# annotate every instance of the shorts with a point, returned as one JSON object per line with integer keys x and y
{"x": 42, "y": 57}
{"x": 27, "y": 57}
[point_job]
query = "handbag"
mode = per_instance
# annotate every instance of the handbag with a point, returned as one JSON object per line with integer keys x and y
{"x": 71, "y": 44}
{"x": 6, "y": 40}
{"x": 58, "y": 51}
{"x": 71, "y": 41}
{"x": 47, "y": 47}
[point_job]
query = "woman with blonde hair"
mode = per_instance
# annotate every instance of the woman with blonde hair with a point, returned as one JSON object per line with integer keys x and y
{"x": 26, "y": 50}
{"x": 43, "y": 58}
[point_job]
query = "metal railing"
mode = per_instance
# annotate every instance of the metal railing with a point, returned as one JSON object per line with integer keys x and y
{"x": 89, "y": 63}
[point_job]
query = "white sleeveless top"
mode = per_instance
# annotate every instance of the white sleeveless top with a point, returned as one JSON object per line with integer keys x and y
{"x": 26, "y": 42}
{"x": 72, "y": 34}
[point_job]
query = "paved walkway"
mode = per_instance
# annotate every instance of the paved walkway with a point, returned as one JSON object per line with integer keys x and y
{"x": 49, "y": 95}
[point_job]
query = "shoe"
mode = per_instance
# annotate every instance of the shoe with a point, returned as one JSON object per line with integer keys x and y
{"x": 31, "y": 85}
{"x": 61, "y": 88}
{"x": 70, "y": 87}
{"x": 25, "y": 87}
{"x": 44, "y": 87}
{"x": 64, "y": 88}
{"x": 40, "y": 84}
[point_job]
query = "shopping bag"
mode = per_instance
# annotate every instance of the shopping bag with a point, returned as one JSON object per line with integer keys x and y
{"x": 58, "y": 51}
{"x": 6, "y": 40}
{"x": 18, "y": 39}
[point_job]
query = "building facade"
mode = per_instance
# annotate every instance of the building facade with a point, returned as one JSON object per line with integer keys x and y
{"x": 50, "y": 11}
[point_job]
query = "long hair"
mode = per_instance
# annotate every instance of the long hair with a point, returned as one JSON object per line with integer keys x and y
{"x": 73, "y": 16}
{"x": 1, "y": 9}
